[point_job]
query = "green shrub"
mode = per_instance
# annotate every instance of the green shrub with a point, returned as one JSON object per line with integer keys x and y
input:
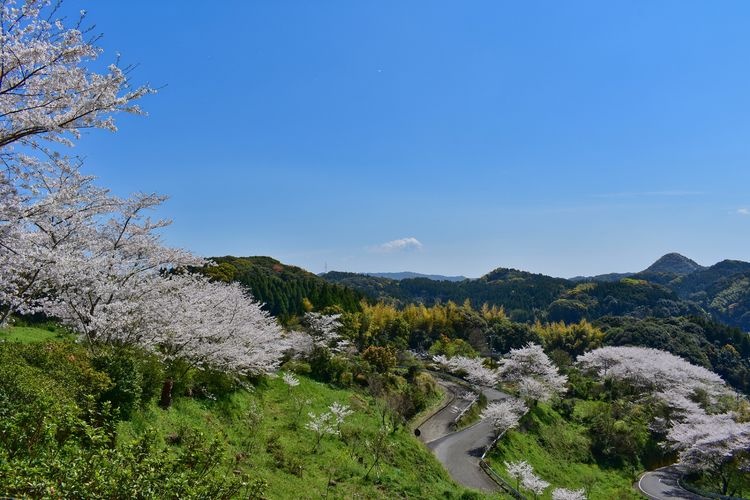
{"x": 143, "y": 468}
{"x": 136, "y": 377}
{"x": 296, "y": 366}
{"x": 213, "y": 384}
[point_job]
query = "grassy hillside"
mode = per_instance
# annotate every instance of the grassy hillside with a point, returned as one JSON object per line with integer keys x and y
{"x": 27, "y": 334}
{"x": 559, "y": 452}
{"x": 81, "y": 425}
{"x": 265, "y": 436}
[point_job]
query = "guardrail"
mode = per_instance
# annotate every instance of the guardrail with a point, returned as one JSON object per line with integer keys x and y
{"x": 463, "y": 412}
{"x": 463, "y": 383}
{"x": 500, "y": 481}
{"x": 494, "y": 475}
{"x": 486, "y": 468}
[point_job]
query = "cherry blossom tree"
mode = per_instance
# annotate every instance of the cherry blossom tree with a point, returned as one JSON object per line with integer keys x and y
{"x": 518, "y": 470}
{"x": 73, "y": 251}
{"x": 653, "y": 370}
{"x": 534, "y": 374}
{"x": 49, "y": 210}
{"x": 209, "y": 325}
{"x": 290, "y": 380}
{"x": 322, "y": 424}
{"x": 504, "y": 414}
{"x": 96, "y": 263}
{"x": 325, "y": 330}
{"x": 535, "y": 484}
{"x": 48, "y": 90}
{"x": 216, "y": 325}
{"x": 472, "y": 368}
{"x": 715, "y": 445}
{"x": 301, "y": 344}
{"x": 523, "y": 473}
{"x": 565, "y": 494}
{"x": 339, "y": 412}
{"x": 329, "y": 422}
{"x": 106, "y": 288}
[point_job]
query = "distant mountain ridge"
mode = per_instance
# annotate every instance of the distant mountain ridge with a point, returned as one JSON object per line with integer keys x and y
{"x": 409, "y": 275}
{"x": 673, "y": 285}
{"x": 606, "y": 278}
{"x": 673, "y": 263}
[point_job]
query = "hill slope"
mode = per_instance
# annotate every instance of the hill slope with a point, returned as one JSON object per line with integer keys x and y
{"x": 285, "y": 290}
{"x": 673, "y": 263}
{"x": 527, "y": 296}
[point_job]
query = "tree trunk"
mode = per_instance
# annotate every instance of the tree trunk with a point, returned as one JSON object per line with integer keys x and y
{"x": 166, "y": 393}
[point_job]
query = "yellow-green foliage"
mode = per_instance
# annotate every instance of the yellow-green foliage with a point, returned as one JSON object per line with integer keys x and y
{"x": 438, "y": 319}
{"x": 633, "y": 281}
{"x": 452, "y": 347}
{"x": 582, "y": 288}
{"x": 575, "y": 338}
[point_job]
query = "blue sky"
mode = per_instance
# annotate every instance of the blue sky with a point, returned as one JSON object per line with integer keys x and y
{"x": 445, "y": 137}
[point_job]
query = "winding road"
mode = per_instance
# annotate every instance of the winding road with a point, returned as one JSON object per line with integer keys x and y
{"x": 663, "y": 484}
{"x": 460, "y": 451}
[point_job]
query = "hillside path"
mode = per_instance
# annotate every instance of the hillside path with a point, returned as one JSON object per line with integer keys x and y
{"x": 460, "y": 451}
{"x": 663, "y": 484}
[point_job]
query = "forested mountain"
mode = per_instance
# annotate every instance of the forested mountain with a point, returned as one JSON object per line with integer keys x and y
{"x": 524, "y": 295}
{"x": 527, "y": 297}
{"x": 673, "y": 263}
{"x": 673, "y": 286}
{"x": 666, "y": 268}
{"x": 627, "y": 297}
{"x": 285, "y": 290}
{"x": 609, "y": 277}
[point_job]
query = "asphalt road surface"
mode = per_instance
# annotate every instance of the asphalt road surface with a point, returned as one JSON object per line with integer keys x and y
{"x": 662, "y": 484}
{"x": 438, "y": 425}
{"x": 459, "y": 452}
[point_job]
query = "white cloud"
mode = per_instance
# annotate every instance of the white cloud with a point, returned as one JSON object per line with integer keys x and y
{"x": 743, "y": 211}
{"x": 400, "y": 245}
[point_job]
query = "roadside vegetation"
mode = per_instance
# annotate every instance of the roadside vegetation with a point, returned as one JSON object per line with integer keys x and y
{"x": 83, "y": 425}
{"x": 559, "y": 451}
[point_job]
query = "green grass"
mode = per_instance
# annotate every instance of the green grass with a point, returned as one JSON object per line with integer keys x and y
{"x": 558, "y": 451}
{"x": 473, "y": 415}
{"x": 29, "y": 334}
{"x": 265, "y": 435}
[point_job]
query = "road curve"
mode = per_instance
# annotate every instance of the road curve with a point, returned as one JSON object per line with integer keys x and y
{"x": 439, "y": 424}
{"x": 663, "y": 484}
{"x": 459, "y": 452}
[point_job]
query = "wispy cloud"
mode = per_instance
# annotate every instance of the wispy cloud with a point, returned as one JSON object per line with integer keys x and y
{"x": 400, "y": 245}
{"x": 652, "y": 194}
{"x": 743, "y": 211}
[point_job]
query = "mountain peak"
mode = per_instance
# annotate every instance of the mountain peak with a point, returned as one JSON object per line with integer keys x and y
{"x": 673, "y": 263}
